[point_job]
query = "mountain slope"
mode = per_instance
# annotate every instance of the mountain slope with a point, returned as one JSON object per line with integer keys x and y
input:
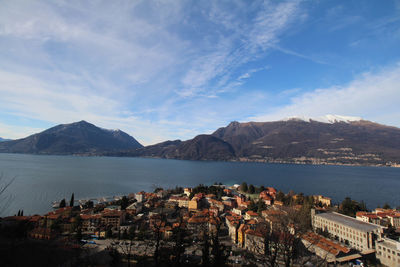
{"x": 352, "y": 142}
{"x": 3, "y": 140}
{"x": 75, "y": 138}
{"x": 202, "y": 147}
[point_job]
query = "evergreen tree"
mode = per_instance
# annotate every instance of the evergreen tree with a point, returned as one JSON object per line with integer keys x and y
{"x": 62, "y": 203}
{"x": 22, "y": 212}
{"x": 71, "y": 202}
{"x": 386, "y": 206}
{"x": 243, "y": 187}
{"x": 124, "y": 203}
{"x": 251, "y": 189}
{"x": 19, "y": 213}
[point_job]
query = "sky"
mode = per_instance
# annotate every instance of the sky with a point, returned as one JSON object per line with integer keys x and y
{"x": 166, "y": 70}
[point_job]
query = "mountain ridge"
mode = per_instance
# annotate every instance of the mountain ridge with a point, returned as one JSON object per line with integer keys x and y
{"x": 73, "y": 138}
{"x": 348, "y": 142}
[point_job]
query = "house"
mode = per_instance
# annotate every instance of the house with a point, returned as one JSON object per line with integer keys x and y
{"x": 194, "y": 204}
{"x": 254, "y": 241}
{"x": 183, "y": 202}
{"x": 112, "y": 218}
{"x": 325, "y": 201}
{"x": 187, "y": 191}
{"x": 241, "y": 235}
{"x": 250, "y": 215}
{"x": 239, "y": 210}
{"x": 134, "y": 208}
{"x": 233, "y": 224}
{"x": 90, "y": 222}
{"x": 42, "y": 233}
{"x": 140, "y": 196}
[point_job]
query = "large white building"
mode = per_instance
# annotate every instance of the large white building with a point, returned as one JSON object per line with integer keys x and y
{"x": 354, "y": 233}
{"x": 388, "y": 252}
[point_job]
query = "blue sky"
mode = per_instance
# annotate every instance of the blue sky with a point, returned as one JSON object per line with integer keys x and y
{"x": 173, "y": 69}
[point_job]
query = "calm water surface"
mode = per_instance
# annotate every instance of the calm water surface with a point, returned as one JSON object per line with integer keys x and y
{"x": 43, "y": 179}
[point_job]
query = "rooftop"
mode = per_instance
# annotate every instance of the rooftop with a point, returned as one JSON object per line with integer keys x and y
{"x": 349, "y": 221}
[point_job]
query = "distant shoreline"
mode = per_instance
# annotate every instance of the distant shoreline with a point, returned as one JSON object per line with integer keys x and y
{"x": 242, "y": 160}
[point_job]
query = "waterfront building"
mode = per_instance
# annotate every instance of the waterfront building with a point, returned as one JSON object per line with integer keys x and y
{"x": 357, "y": 234}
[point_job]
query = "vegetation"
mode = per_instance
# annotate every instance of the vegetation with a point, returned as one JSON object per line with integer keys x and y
{"x": 350, "y": 207}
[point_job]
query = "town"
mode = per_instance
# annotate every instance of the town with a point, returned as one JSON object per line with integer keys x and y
{"x": 216, "y": 225}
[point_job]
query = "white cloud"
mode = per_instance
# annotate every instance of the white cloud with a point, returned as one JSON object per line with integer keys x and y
{"x": 373, "y": 95}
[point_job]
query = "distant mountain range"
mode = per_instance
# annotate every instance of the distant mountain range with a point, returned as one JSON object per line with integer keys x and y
{"x": 76, "y": 138}
{"x": 3, "y": 140}
{"x": 339, "y": 140}
{"x": 335, "y": 140}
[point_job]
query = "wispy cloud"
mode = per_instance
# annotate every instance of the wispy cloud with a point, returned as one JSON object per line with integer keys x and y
{"x": 156, "y": 69}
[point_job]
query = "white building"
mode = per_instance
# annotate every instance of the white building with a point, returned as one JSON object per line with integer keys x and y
{"x": 354, "y": 233}
{"x": 388, "y": 252}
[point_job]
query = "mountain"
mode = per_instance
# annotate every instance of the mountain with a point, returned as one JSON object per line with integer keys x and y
{"x": 202, "y": 147}
{"x": 75, "y": 138}
{"x": 308, "y": 141}
{"x": 3, "y": 140}
{"x": 331, "y": 140}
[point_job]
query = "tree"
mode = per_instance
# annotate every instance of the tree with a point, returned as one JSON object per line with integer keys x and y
{"x": 251, "y": 189}
{"x": 349, "y": 207}
{"x": 71, "y": 202}
{"x": 62, "y": 203}
{"x": 261, "y": 206}
{"x": 218, "y": 250}
{"x": 386, "y": 206}
{"x": 243, "y": 187}
{"x": 109, "y": 233}
{"x": 4, "y": 200}
{"x": 253, "y": 206}
{"x": 124, "y": 203}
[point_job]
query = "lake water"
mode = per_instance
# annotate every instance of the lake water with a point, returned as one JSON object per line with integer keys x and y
{"x": 43, "y": 179}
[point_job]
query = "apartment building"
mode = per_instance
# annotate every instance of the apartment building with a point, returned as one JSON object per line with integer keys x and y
{"x": 354, "y": 233}
{"x": 388, "y": 252}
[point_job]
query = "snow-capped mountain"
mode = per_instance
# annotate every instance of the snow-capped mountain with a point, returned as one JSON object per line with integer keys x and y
{"x": 326, "y": 119}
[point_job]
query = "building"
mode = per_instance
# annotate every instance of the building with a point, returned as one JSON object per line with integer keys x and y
{"x": 381, "y": 217}
{"x": 113, "y": 218}
{"x": 140, "y": 196}
{"x": 233, "y": 225}
{"x": 388, "y": 252}
{"x": 357, "y": 234}
{"x": 90, "y": 222}
{"x": 250, "y": 215}
{"x": 325, "y": 201}
{"x": 327, "y": 249}
{"x": 183, "y": 202}
{"x": 239, "y": 211}
{"x": 254, "y": 241}
{"x": 241, "y": 235}
{"x": 134, "y": 208}
{"x": 187, "y": 191}
{"x": 194, "y": 204}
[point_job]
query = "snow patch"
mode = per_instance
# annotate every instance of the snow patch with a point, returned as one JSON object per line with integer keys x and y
{"x": 325, "y": 119}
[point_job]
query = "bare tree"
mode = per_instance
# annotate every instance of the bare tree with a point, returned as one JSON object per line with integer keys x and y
{"x": 5, "y": 200}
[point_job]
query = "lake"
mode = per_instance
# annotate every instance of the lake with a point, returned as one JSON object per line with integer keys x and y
{"x": 39, "y": 180}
